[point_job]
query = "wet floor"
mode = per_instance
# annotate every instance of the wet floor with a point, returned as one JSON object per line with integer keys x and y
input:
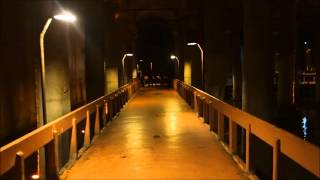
{"x": 156, "y": 136}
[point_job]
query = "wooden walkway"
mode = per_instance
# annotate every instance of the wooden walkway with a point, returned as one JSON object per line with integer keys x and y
{"x": 156, "y": 136}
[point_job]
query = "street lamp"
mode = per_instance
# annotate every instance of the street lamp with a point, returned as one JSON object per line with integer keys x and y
{"x": 66, "y": 17}
{"x": 173, "y": 57}
{"x": 201, "y": 51}
{"x": 122, "y": 61}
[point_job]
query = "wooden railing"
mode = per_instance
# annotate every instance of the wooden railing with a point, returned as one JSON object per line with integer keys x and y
{"x": 13, "y": 155}
{"x": 303, "y": 153}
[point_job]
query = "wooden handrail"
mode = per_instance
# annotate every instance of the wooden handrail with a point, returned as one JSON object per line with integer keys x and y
{"x": 302, "y": 152}
{"x": 31, "y": 142}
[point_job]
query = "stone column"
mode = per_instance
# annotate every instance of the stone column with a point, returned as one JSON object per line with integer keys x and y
{"x": 287, "y": 53}
{"x": 217, "y": 64}
{"x": 95, "y": 30}
{"x": 237, "y": 82}
{"x": 258, "y": 70}
{"x": 112, "y": 48}
{"x": 234, "y": 54}
{"x": 258, "y": 95}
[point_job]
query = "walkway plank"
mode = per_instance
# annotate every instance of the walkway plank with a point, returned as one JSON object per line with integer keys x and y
{"x": 156, "y": 136}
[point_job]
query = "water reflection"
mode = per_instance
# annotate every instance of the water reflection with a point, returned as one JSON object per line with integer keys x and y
{"x": 305, "y": 127}
{"x": 304, "y": 123}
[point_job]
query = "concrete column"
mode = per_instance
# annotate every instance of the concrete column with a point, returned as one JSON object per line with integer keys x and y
{"x": 233, "y": 42}
{"x": 316, "y": 55}
{"x": 95, "y": 30}
{"x": 217, "y": 65}
{"x": 287, "y": 50}
{"x": 237, "y": 82}
{"x": 76, "y": 61}
{"x": 111, "y": 45}
{"x": 57, "y": 71}
{"x": 258, "y": 69}
{"x": 117, "y": 44}
{"x": 258, "y": 95}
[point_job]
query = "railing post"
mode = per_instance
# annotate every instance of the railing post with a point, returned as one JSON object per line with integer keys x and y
{"x": 110, "y": 109}
{"x": 195, "y": 101}
{"x": 52, "y": 150}
{"x": 232, "y": 136}
{"x": 191, "y": 99}
{"x": 200, "y": 105}
{"x": 275, "y": 159}
{"x": 220, "y": 126}
{"x": 74, "y": 144}
{"x": 248, "y": 132}
{"x": 97, "y": 122}
{"x": 19, "y": 165}
{"x": 105, "y": 112}
{"x": 211, "y": 116}
{"x": 116, "y": 106}
{"x": 87, "y": 130}
{"x": 208, "y": 112}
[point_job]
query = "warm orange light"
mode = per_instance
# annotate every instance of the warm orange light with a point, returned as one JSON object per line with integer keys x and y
{"x": 35, "y": 176}
{"x": 82, "y": 131}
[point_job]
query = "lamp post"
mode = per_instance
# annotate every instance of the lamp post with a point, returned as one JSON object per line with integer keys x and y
{"x": 201, "y": 51}
{"x": 140, "y": 69}
{"x": 122, "y": 61}
{"x": 173, "y": 57}
{"x": 66, "y": 17}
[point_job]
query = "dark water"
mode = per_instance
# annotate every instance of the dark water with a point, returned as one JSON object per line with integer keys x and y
{"x": 303, "y": 122}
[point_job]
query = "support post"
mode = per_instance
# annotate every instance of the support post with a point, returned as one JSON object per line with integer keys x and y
{"x": 211, "y": 116}
{"x": 275, "y": 159}
{"x": 73, "y": 144}
{"x": 220, "y": 126}
{"x": 97, "y": 122}
{"x": 52, "y": 150}
{"x": 232, "y": 136}
{"x": 248, "y": 132}
{"x": 105, "y": 113}
{"x": 195, "y": 101}
{"x": 19, "y": 165}
{"x": 87, "y": 130}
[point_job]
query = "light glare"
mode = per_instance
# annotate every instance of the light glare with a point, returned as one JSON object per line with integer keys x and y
{"x": 35, "y": 176}
{"x": 172, "y": 57}
{"x": 66, "y": 16}
{"x": 192, "y": 44}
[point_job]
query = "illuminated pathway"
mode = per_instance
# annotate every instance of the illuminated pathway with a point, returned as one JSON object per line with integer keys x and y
{"x": 156, "y": 136}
